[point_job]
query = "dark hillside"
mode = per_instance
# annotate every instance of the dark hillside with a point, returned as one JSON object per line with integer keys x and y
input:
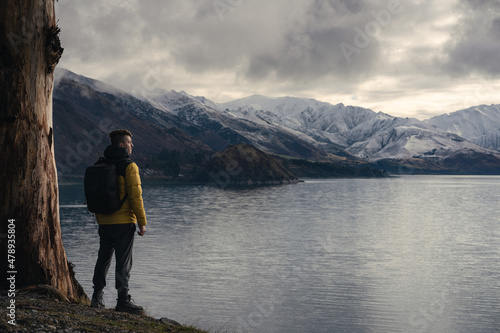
{"x": 244, "y": 164}
{"x": 83, "y": 117}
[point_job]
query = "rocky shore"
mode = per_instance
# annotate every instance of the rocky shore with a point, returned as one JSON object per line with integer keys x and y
{"x": 43, "y": 309}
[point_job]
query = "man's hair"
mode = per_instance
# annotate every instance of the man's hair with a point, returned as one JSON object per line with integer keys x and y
{"x": 118, "y": 136}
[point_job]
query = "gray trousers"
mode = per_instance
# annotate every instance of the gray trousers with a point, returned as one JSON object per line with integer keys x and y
{"x": 118, "y": 239}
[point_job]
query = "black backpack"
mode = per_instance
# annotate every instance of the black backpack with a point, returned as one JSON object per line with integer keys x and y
{"x": 101, "y": 187}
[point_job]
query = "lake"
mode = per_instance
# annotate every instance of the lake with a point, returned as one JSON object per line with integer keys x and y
{"x": 406, "y": 254}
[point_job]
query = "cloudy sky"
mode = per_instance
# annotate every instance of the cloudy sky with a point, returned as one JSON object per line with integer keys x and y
{"x": 412, "y": 58}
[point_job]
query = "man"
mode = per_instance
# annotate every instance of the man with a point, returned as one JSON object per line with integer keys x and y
{"x": 117, "y": 230}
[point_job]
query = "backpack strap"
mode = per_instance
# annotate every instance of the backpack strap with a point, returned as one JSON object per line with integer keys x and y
{"x": 121, "y": 166}
{"x": 121, "y": 163}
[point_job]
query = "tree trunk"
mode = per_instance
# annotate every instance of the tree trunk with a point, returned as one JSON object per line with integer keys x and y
{"x": 29, "y": 208}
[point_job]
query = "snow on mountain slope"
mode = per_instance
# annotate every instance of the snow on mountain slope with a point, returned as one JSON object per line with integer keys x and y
{"x": 363, "y": 132}
{"x": 298, "y": 127}
{"x": 96, "y": 85}
{"x": 478, "y": 124}
{"x": 403, "y": 142}
{"x": 322, "y": 121}
{"x": 264, "y": 135}
{"x": 172, "y": 101}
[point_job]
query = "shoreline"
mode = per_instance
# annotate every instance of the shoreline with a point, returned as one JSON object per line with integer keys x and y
{"x": 42, "y": 308}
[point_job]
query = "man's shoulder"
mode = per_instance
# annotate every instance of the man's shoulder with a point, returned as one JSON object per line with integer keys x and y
{"x": 123, "y": 165}
{"x": 132, "y": 167}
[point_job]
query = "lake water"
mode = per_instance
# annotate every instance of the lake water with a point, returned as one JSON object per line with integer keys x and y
{"x": 408, "y": 254}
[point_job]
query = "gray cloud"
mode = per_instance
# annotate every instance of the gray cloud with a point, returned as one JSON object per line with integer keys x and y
{"x": 475, "y": 43}
{"x": 311, "y": 47}
{"x": 291, "y": 39}
{"x": 283, "y": 47}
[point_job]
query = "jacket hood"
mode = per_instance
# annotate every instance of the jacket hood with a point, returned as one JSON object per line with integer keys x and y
{"x": 116, "y": 152}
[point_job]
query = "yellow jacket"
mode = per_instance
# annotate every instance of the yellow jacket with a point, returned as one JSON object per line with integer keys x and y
{"x": 132, "y": 210}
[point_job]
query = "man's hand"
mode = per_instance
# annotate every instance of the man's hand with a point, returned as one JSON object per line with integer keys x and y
{"x": 142, "y": 230}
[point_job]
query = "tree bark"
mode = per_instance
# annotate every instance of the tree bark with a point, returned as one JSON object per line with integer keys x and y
{"x": 29, "y": 208}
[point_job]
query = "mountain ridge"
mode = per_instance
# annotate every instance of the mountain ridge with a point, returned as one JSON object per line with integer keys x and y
{"x": 479, "y": 124}
{"x": 284, "y": 126}
{"x": 362, "y": 132}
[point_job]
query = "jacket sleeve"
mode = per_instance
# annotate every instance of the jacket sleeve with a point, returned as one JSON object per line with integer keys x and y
{"x": 134, "y": 193}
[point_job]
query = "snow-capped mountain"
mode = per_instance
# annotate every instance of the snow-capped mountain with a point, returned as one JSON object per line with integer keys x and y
{"x": 478, "y": 124}
{"x": 403, "y": 142}
{"x": 172, "y": 101}
{"x": 86, "y": 110}
{"x": 271, "y": 138}
{"x": 295, "y": 127}
{"x": 362, "y": 132}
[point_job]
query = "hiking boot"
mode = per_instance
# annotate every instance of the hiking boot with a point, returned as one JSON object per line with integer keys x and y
{"x": 97, "y": 300}
{"x": 128, "y": 305}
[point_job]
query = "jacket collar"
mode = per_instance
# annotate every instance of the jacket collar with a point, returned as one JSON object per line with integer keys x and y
{"x": 116, "y": 152}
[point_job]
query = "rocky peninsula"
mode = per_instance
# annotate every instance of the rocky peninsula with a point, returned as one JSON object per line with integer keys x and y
{"x": 245, "y": 165}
